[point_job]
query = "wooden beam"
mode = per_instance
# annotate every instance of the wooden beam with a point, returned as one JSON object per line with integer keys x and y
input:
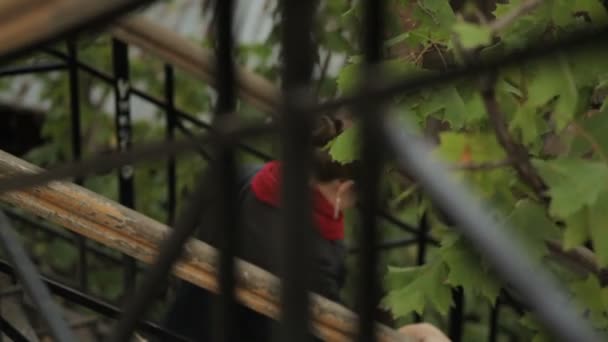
{"x": 132, "y": 233}
{"x": 184, "y": 54}
{"x": 26, "y": 23}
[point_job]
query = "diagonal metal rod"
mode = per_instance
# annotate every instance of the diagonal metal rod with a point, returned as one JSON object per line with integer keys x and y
{"x": 10, "y": 331}
{"x": 99, "y": 306}
{"x": 507, "y": 257}
{"x": 577, "y": 41}
{"x": 296, "y": 155}
{"x": 170, "y": 250}
{"x": 152, "y": 151}
{"x": 368, "y": 291}
{"x": 28, "y": 69}
{"x": 225, "y": 308}
{"x": 30, "y": 278}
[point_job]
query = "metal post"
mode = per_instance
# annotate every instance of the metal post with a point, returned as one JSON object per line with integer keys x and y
{"x": 30, "y": 279}
{"x": 170, "y": 136}
{"x": 225, "y": 323}
{"x": 422, "y": 237}
{"x": 494, "y": 314}
{"x": 94, "y": 304}
{"x": 368, "y": 180}
{"x": 76, "y": 151}
{"x": 457, "y": 320}
{"x": 120, "y": 58}
{"x": 169, "y": 251}
{"x": 296, "y": 141}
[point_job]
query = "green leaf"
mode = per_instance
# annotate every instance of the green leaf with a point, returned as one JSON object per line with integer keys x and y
{"x": 455, "y": 111}
{"x": 594, "y": 8}
{"x": 576, "y": 232}
{"x": 572, "y": 183}
{"x": 465, "y": 269}
{"x": 592, "y": 134}
{"x": 553, "y": 78}
{"x": 349, "y": 78}
{"x": 526, "y": 122}
{"x": 471, "y": 36}
{"x": 345, "y": 148}
{"x": 481, "y": 147}
{"x": 598, "y": 227}
{"x": 440, "y": 11}
{"x": 532, "y": 227}
{"x": 447, "y": 103}
{"x": 525, "y": 29}
{"x": 412, "y": 288}
{"x": 589, "y": 295}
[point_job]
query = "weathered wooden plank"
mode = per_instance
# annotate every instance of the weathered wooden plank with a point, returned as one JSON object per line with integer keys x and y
{"x": 27, "y": 22}
{"x": 182, "y": 53}
{"x": 132, "y": 233}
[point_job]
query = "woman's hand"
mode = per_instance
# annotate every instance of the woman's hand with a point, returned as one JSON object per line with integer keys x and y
{"x": 424, "y": 332}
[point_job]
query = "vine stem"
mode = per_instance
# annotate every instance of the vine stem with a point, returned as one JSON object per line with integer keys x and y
{"x": 517, "y": 153}
{"x": 580, "y": 256}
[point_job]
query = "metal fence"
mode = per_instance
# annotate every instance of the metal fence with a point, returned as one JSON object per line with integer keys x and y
{"x": 383, "y": 140}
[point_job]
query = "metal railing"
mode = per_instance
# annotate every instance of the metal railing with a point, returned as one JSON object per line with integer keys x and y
{"x": 382, "y": 141}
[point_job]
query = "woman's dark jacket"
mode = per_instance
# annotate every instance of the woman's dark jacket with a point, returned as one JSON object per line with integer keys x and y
{"x": 260, "y": 243}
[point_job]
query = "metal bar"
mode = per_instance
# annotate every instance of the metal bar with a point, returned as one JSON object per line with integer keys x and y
{"x": 225, "y": 324}
{"x": 27, "y": 27}
{"x": 29, "y": 69}
{"x": 76, "y": 150}
{"x": 10, "y": 331}
{"x": 170, "y": 136}
{"x": 36, "y": 290}
{"x": 387, "y": 245}
{"x": 494, "y": 314}
{"x": 457, "y": 319}
{"x": 97, "y": 305}
{"x": 509, "y": 259}
{"x": 296, "y": 155}
{"x": 190, "y": 118}
{"x": 576, "y": 41}
{"x": 421, "y": 253}
{"x": 103, "y": 162}
{"x": 169, "y": 251}
{"x": 196, "y": 61}
{"x": 187, "y": 132}
{"x": 403, "y": 226}
{"x": 372, "y": 158}
{"x": 61, "y": 234}
{"x": 126, "y": 185}
{"x": 132, "y": 233}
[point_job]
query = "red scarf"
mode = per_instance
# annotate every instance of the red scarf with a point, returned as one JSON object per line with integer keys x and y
{"x": 266, "y": 187}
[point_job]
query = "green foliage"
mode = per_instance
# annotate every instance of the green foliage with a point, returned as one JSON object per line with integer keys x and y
{"x": 573, "y": 183}
{"x": 550, "y": 107}
{"x": 555, "y": 107}
{"x": 471, "y": 35}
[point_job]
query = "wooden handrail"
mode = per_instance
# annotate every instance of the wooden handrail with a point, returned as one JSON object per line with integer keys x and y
{"x": 197, "y": 61}
{"x": 25, "y": 23}
{"x": 125, "y": 230}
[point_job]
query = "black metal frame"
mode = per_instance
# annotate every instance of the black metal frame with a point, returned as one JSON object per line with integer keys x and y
{"x": 378, "y": 136}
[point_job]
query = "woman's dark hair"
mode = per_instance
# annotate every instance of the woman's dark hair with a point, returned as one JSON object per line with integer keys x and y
{"x": 326, "y": 169}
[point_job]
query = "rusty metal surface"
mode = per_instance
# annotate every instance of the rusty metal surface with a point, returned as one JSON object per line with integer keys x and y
{"x": 132, "y": 233}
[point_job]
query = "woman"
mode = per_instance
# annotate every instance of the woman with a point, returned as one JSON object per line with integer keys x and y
{"x": 260, "y": 234}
